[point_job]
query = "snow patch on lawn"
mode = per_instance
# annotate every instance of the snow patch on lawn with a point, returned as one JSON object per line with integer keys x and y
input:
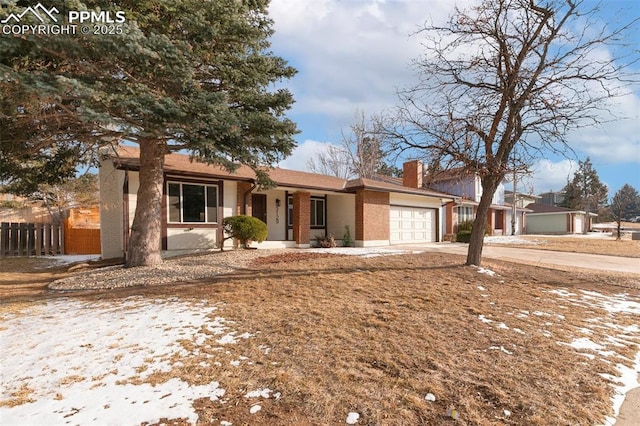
{"x": 82, "y": 362}
{"x": 69, "y": 361}
{"x": 511, "y": 239}
{"x": 618, "y": 336}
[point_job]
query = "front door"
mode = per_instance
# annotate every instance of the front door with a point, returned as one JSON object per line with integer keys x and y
{"x": 259, "y": 206}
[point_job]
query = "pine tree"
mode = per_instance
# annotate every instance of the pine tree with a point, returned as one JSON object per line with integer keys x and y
{"x": 585, "y": 191}
{"x": 180, "y": 75}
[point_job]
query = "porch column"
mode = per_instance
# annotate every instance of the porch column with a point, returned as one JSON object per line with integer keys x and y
{"x": 451, "y": 218}
{"x": 243, "y": 208}
{"x": 302, "y": 219}
{"x": 491, "y": 221}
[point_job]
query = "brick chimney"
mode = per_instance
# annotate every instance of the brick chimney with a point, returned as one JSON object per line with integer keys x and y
{"x": 412, "y": 172}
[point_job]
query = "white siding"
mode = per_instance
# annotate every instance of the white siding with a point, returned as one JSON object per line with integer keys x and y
{"x": 111, "y": 182}
{"x": 341, "y": 211}
{"x": 134, "y": 184}
{"x": 498, "y": 196}
{"x": 191, "y": 238}
{"x": 230, "y": 197}
{"x": 276, "y": 216}
{"x": 509, "y": 214}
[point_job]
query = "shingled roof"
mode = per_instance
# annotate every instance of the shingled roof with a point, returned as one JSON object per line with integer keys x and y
{"x": 543, "y": 208}
{"x": 183, "y": 165}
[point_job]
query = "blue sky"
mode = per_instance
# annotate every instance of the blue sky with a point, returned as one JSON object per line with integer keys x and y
{"x": 352, "y": 55}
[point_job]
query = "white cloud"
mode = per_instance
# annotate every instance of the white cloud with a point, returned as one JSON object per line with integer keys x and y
{"x": 614, "y": 141}
{"x": 353, "y": 55}
{"x": 548, "y": 176}
{"x": 301, "y": 155}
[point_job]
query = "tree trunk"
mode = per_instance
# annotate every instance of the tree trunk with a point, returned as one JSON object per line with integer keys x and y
{"x": 474, "y": 254}
{"x": 144, "y": 243}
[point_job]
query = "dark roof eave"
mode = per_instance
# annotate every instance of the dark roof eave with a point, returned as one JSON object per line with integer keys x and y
{"x": 443, "y": 197}
{"x": 134, "y": 165}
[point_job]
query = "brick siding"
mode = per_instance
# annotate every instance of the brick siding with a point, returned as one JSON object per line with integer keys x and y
{"x": 302, "y": 218}
{"x": 243, "y": 189}
{"x": 412, "y": 172}
{"x": 372, "y": 215}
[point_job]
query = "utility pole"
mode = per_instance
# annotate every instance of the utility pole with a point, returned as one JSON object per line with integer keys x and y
{"x": 514, "y": 204}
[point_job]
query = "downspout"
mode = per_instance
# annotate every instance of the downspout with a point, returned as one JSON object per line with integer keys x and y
{"x": 246, "y": 196}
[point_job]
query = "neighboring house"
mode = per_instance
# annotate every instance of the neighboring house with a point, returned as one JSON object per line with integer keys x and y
{"x": 546, "y": 219}
{"x": 197, "y": 196}
{"x": 14, "y": 209}
{"x": 467, "y": 188}
{"x": 551, "y": 198}
{"x": 521, "y": 199}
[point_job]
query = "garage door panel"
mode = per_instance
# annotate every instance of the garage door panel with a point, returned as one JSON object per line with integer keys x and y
{"x": 412, "y": 224}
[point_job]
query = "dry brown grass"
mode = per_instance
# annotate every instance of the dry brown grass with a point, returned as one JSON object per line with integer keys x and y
{"x": 607, "y": 246}
{"x": 335, "y": 334}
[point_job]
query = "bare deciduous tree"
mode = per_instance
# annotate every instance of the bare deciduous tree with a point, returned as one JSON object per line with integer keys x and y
{"x": 509, "y": 74}
{"x": 361, "y": 153}
{"x": 333, "y": 161}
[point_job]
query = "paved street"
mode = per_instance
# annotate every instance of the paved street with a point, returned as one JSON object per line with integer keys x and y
{"x": 546, "y": 257}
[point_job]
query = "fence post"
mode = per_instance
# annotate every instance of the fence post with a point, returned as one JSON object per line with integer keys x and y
{"x": 4, "y": 239}
{"x": 13, "y": 228}
{"x": 63, "y": 233}
{"x": 38, "y": 239}
{"x": 23, "y": 239}
{"x": 46, "y": 238}
{"x": 31, "y": 239}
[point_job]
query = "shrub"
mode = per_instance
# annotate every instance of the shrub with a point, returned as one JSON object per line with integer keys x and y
{"x": 346, "y": 238}
{"x": 467, "y": 225}
{"x": 245, "y": 229}
{"x": 464, "y": 231}
{"x": 463, "y": 236}
{"x": 325, "y": 241}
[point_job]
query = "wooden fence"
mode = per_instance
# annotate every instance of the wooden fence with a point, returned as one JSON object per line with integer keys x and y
{"x": 29, "y": 239}
{"x": 81, "y": 240}
{"x": 37, "y": 239}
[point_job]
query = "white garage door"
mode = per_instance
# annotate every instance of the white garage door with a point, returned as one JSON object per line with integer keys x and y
{"x": 412, "y": 224}
{"x": 577, "y": 225}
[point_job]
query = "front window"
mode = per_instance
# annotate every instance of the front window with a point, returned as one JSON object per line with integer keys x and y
{"x": 290, "y": 211}
{"x": 465, "y": 214}
{"x": 192, "y": 203}
{"x": 317, "y": 212}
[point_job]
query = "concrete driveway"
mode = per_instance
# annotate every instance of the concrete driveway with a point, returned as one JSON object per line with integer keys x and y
{"x": 545, "y": 257}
